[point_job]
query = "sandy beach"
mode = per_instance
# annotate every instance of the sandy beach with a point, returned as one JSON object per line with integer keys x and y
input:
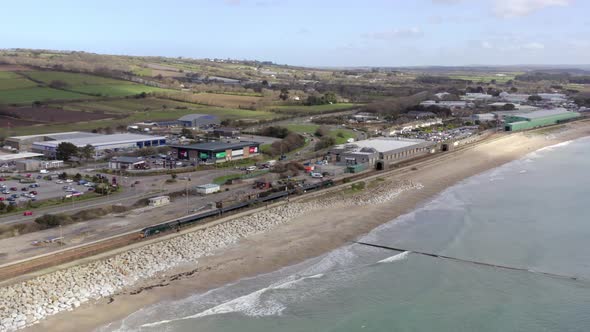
{"x": 311, "y": 234}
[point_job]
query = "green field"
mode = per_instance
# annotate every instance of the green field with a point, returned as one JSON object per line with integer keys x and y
{"x": 29, "y": 95}
{"x": 4, "y": 75}
{"x": 486, "y": 78}
{"x": 16, "y": 83}
{"x": 120, "y": 90}
{"x": 301, "y": 109}
{"x": 73, "y": 79}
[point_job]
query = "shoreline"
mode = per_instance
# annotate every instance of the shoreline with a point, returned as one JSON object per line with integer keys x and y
{"x": 308, "y": 235}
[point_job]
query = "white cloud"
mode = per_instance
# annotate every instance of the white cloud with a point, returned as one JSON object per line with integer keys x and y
{"x": 516, "y": 8}
{"x": 533, "y": 46}
{"x": 486, "y": 44}
{"x": 395, "y": 34}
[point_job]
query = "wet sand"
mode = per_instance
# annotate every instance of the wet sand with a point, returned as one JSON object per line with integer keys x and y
{"x": 310, "y": 235}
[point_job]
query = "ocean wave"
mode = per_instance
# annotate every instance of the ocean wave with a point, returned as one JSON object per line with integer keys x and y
{"x": 250, "y": 305}
{"x": 395, "y": 258}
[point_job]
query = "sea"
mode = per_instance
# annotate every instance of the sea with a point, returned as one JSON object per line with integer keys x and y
{"x": 532, "y": 214}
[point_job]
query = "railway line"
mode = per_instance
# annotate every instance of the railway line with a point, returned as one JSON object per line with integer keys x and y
{"x": 67, "y": 255}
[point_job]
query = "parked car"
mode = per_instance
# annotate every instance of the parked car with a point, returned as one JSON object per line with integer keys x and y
{"x": 251, "y": 168}
{"x": 14, "y": 195}
{"x": 34, "y": 185}
{"x": 2, "y": 179}
{"x": 66, "y": 187}
{"x": 34, "y": 192}
{"x": 59, "y": 182}
{"x": 317, "y": 175}
{"x": 13, "y": 188}
{"x": 6, "y": 192}
{"x": 28, "y": 213}
{"x": 82, "y": 182}
{"x": 24, "y": 189}
{"x": 91, "y": 189}
{"x": 39, "y": 177}
{"x": 69, "y": 181}
{"x": 1, "y": 199}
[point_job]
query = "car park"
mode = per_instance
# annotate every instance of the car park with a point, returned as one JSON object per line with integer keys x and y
{"x": 317, "y": 175}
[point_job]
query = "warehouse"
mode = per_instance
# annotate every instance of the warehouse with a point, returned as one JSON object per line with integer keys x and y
{"x": 103, "y": 143}
{"x": 24, "y": 143}
{"x": 216, "y": 152}
{"x": 536, "y": 119}
{"x": 373, "y": 150}
{"x": 198, "y": 120}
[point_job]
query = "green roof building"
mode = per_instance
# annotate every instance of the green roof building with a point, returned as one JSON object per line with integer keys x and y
{"x": 538, "y": 119}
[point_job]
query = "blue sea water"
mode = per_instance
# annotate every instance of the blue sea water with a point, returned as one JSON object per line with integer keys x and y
{"x": 532, "y": 213}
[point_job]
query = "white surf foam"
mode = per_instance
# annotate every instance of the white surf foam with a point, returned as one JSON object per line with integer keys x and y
{"x": 395, "y": 258}
{"x": 251, "y": 304}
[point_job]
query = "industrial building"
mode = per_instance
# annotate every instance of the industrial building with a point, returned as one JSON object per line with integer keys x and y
{"x": 387, "y": 150}
{"x": 101, "y": 143}
{"x": 206, "y": 189}
{"x": 536, "y": 119}
{"x": 226, "y": 132}
{"x": 32, "y": 165}
{"x": 24, "y": 143}
{"x": 198, "y": 120}
{"x": 127, "y": 163}
{"x": 216, "y": 152}
{"x": 159, "y": 201}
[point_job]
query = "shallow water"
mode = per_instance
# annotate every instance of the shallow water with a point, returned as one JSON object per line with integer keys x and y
{"x": 532, "y": 213}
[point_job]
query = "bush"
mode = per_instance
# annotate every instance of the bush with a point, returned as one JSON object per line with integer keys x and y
{"x": 274, "y": 131}
{"x": 358, "y": 186}
{"x": 51, "y": 220}
{"x": 325, "y": 142}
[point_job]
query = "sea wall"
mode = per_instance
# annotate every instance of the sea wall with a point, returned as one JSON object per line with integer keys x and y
{"x": 26, "y": 303}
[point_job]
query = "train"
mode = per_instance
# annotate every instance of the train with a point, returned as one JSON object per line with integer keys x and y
{"x": 269, "y": 196}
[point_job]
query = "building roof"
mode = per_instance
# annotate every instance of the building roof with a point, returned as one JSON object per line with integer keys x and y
{"x": 542, "y": 113}
{"x": 193, "y": 117}
{"x": 207, "y": 186}
{"x": 215, "y": 146}
{"x": 16, "y": 156}
{"x": 101, "y": 140}
{"x": 57, "y": 136}
{"x": 127, "y": 160}
{"x": 381, "y": 144}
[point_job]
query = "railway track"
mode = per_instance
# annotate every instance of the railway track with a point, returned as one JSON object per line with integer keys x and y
{"x": 15, "y": 269}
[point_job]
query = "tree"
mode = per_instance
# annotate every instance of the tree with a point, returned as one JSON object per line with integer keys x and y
{"x": 65, "y": 151}
{"x": 535, "y": 98}
{"x": 87, "y": 152}
{"x": 322, "y": 131}
{"x": 284, "y": 94}
{"x": 325, "y": 142}
{"x": 508, "y": 107}
{"x": 58, "y": 84}
{"x": 187, "y": 133}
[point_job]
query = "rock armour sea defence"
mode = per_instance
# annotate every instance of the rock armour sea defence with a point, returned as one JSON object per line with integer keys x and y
{"x": 26, "y": 303}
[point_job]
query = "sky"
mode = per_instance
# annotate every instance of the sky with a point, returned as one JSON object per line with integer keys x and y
{"x": 311, "y": 32}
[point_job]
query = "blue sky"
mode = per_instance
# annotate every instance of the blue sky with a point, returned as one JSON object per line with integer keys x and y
{"x": 315, "y": 33}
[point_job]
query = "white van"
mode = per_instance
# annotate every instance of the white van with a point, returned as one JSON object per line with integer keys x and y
{"x": 251, "y": 168}
{"x": 317, "y": 175}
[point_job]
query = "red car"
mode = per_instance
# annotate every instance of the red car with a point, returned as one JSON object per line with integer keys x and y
{"x": 13, "y": 188}
{"x": 1, "y": 199}
{"x": 28, "y": 213}
{"x": 2, "y": 179}
{"x": 34, "y": 192}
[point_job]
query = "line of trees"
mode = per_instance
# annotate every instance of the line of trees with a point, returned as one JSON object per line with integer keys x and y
{"x": 66, "y": 151}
